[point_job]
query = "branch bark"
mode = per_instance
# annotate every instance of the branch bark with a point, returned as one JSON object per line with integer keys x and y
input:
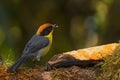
{"x": 82, "y": 57}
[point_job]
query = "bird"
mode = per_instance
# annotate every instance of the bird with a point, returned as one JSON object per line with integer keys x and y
{"x": 37, "y": 46}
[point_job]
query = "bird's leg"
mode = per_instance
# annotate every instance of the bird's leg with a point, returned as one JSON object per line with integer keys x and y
{"x": 34, "y": 62}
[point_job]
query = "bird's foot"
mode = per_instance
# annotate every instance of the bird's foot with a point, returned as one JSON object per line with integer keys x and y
{"x": 48, "y": 67}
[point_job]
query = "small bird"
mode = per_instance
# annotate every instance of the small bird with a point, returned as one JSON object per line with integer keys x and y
{"x": 37, "y": 46}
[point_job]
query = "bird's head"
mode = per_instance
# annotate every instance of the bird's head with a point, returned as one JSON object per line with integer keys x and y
{"x": 46, "y": 29}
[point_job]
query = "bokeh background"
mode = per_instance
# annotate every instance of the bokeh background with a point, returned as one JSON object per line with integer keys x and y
{"x": 82, "y": 23}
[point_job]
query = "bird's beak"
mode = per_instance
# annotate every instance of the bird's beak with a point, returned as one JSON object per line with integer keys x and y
{"x": 55, "y": 26}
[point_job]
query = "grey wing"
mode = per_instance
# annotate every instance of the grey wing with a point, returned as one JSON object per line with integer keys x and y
{"x": 35, "y": 44}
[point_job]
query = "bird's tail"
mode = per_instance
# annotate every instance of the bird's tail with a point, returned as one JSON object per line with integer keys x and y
{"x": 17, "y": 64}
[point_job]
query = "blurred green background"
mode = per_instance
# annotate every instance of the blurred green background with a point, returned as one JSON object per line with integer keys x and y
{"x": 82, "y": 23}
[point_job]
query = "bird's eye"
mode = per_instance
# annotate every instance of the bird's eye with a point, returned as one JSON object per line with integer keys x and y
{"x": 46, "y": 31}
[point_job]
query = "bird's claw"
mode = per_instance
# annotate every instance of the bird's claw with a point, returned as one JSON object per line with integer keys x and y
{"x": 48, "y": 67}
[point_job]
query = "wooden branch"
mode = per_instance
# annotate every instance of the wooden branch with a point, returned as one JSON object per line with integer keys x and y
{"x": 82, "y": 57}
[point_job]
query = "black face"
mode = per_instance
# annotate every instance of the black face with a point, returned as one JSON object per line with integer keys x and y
{"x": 46, "y": 31}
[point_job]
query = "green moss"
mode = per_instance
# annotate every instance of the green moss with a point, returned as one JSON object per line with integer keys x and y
{"x": 111, "y": 67}
{"x": 7, "y": 55}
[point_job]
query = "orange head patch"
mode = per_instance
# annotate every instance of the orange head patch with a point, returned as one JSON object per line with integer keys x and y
{"x": 42, "y": 27}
